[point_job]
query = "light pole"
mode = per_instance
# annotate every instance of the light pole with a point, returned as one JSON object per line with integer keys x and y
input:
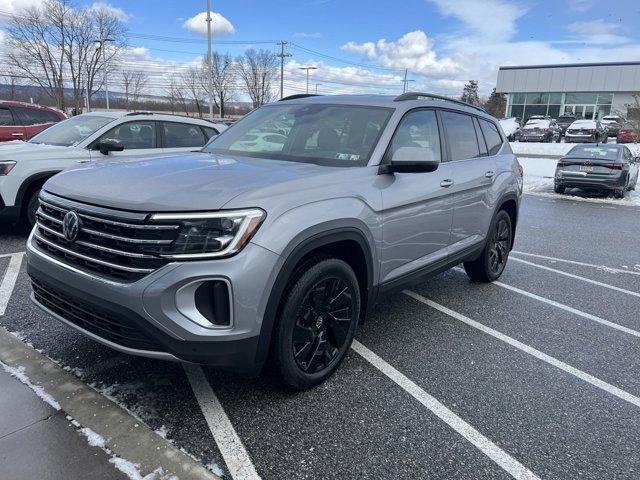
{"x": 209, "y": 61}
{"x": 307, "y": 69}
{"x": 104, "y": 60}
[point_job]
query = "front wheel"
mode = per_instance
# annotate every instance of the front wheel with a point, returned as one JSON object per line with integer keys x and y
{"x": 618, "y": 193}
{"x": 558, "y": 188}
{"x": 317, "y": 323}
{"x": 491, "y": 263}
{"x": 32, "y": 208}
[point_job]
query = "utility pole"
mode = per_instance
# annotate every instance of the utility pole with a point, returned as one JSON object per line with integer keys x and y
{"x": 102, "y": 41}
{"x": 317, "y": 85}
{"x": 282, "y": 56}
{"x": 406, "y": 81}
{"x": 209, "y": 61}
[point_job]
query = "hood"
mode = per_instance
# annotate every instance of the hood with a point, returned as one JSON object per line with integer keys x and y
{"x": 16, "y": 149}
{"x": 194, "y": 182}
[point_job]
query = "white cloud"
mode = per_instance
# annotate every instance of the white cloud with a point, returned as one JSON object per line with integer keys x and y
{"x": 598, "y": 32}
{"x": 413, "y": 51}
{"x": 307, "y": 35}
{"x": 580, "y": 6}
{"x": 12, "y": 7}
{"x": 490, "y": 19}
{"x": 219, "y": 26}
{"x": 115, "y": 11}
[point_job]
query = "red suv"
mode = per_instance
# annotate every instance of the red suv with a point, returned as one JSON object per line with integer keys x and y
{"x": 21, "y": 121}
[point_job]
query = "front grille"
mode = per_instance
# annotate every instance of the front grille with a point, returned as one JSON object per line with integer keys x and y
{"x": 115, "y": 328}
{"x": 114, "y": 248}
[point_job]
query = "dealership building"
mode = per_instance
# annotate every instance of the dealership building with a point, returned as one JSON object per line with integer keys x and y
{"x": 586, "y": 90}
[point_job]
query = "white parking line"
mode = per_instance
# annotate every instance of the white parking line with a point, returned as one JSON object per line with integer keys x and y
{"x": 233, "y": 451}
{"x": 577, "y": 277}
{"x": 601, "y": 384}
{"x": 567, "y": 308}
{"x": 482, "y": 443}
{"x": 574, "y": 262}
{"x": 9, "y": 280}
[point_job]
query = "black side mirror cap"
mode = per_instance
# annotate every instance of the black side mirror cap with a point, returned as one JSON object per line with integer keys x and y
{"x": 110, "y": 145}
{"x": 408, "y": 167}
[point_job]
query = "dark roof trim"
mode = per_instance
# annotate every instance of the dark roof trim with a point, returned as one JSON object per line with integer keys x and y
{"x": 571, "y": 65}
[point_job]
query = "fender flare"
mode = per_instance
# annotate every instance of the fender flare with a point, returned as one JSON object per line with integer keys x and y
{"x": 26, "y": 184}
{"x": 293, "y": 253}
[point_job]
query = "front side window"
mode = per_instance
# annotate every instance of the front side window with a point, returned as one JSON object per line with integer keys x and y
{"x": 6, "y": 118}
{"x": 324, "y": 134}
{"x": 133, "y": 135}
{"x": 418, "y": 130}
{"x": 71, "y": 131}
{"x": 181, "y": 135}
{"x": 461, "y": 135}
{"x": 491, "y": 136}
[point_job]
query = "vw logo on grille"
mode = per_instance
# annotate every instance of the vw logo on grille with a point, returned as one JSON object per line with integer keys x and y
{"x": 71, "y": 226}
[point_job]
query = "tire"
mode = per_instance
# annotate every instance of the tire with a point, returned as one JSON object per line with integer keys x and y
{"x": 32, "y": 208}
{"x": 606, "y": 139}
{"x": 558, "y": 188}
{"x": 319, "y": 313}
{"x": 618, "y": 193}
{"x": 493, "y": 259}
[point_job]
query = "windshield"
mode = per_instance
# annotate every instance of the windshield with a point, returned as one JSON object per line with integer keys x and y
{"x": 71, "y": 131}
{"x": 599, "y": 152}
{"x": 333, "y": 135}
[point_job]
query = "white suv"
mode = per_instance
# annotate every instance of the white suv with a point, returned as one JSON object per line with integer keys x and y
{"x": 25, "y": 166}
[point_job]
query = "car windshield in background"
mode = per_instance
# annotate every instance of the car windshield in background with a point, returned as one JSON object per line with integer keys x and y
{"x": 598, "y": 152}
{"x": 71, "y": 131}
{"x": 332, "y": 135}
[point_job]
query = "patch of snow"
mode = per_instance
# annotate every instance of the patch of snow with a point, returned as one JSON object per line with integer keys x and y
{"x": 538, "y": 180}
{"x": 509, "y": 126}
{"x": 162, "y": 431}
{"x": 78, "y": 372}
{"x": 214, "y": 468}
{"x": 94, "y": 439}
{"x": 20, "y": 375}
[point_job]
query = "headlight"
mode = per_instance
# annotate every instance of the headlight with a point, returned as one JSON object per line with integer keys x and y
{"x": 210, "y": 234}
{"x": 6, "y": 166}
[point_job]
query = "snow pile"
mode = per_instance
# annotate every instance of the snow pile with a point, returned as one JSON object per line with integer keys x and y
{"x": 20, "y": 375}
{"x": 538, "y": 180}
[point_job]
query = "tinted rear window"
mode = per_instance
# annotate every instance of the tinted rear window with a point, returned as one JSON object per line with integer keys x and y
{"x": 597, "y": 152}
{"x": 461, "y": 135}
{"x": 5, "y": 117}
{"x": 32, "y": 116}
{"x": 491, "y": 136}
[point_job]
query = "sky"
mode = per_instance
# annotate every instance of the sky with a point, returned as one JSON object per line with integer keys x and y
{"x": 365, "y": 46}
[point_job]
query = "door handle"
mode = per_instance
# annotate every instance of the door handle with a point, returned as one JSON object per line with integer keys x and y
{"x": 446, "y": 183}
{"x": 489, "y": 174}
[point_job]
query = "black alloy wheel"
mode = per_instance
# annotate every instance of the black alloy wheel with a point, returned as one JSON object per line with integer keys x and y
{"x": 499, "y": 246}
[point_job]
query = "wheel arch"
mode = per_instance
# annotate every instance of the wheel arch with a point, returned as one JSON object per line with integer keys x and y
{"x": 348, "y": 243}
{"x": 509, "y": 203}
{"x": 29, "y": 185}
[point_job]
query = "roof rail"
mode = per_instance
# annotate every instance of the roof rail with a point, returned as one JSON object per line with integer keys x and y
{"x": 418, "y": 96}
{"x": 299, "y": 95}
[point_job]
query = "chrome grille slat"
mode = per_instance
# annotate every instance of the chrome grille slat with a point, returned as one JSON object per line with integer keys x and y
{"x": 110, "y": 243}
{"x": 91, "y": 259}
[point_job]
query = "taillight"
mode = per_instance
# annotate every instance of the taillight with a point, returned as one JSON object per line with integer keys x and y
{"x": 614, "y": 166}
{"x": 563, "y": 164}
{"x": 520, "y": 170}
{"x": 592, "y": 130}
{"x": 544, "y": 130}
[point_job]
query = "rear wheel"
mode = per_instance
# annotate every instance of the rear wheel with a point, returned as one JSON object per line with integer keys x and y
{"x": 317, "y": 323}
{"x": 618, "y": 193}
{"x": 491, "y": 263}
{"x": 558, "y": 188}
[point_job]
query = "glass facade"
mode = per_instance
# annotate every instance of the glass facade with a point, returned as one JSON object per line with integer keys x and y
{"x": 581, "y": 104}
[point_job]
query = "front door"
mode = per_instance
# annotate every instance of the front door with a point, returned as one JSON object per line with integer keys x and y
{"x": 139, "y": 138}
{"x": 417, "y": 207}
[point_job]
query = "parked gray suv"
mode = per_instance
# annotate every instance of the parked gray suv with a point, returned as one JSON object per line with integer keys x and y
{"x": 258, "y": 249}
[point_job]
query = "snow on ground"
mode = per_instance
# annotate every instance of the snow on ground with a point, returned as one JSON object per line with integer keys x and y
{"x": 556, "y": 149}
{"x": 538, "y": 180}
{"x": 20, "y": 375}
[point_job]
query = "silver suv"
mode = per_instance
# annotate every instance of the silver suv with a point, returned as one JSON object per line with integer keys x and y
{"x": 273, "y": 242}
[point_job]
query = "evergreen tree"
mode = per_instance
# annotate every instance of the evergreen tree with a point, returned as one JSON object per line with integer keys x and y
{"x": 470, "y": 93}
{"x": 496, "y": 104}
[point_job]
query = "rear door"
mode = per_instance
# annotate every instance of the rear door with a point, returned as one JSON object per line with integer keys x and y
{"x": 8, "y": 128}
{"x": 417, "y": 210}
{"x": 180, "y": 137}
{"x": 474, "y": 170}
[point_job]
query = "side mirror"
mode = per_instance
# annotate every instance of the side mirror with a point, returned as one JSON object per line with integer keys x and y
{"x": 110, "y": 145}
{"x": 411, "y": 160}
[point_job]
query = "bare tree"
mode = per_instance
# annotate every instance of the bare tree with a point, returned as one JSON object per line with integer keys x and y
{"x": 13, "y": 79}
{"x": 54, "y": 46}
{"x": 223, "y": 77}
{"x": 258, "y": 69}
{"x": 193, "y": 87}
{"x": 177, "y": 95}
{"x": 134, "y": 82}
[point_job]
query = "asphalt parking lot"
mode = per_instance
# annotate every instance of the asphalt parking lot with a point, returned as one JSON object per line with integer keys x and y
{"x": 535, "y": 376}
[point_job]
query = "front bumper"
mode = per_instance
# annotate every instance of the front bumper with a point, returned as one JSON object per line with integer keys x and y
{"x": 143, "y": 318}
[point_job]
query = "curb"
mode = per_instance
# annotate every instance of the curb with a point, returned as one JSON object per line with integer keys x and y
{"x": 124, "y": 435}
